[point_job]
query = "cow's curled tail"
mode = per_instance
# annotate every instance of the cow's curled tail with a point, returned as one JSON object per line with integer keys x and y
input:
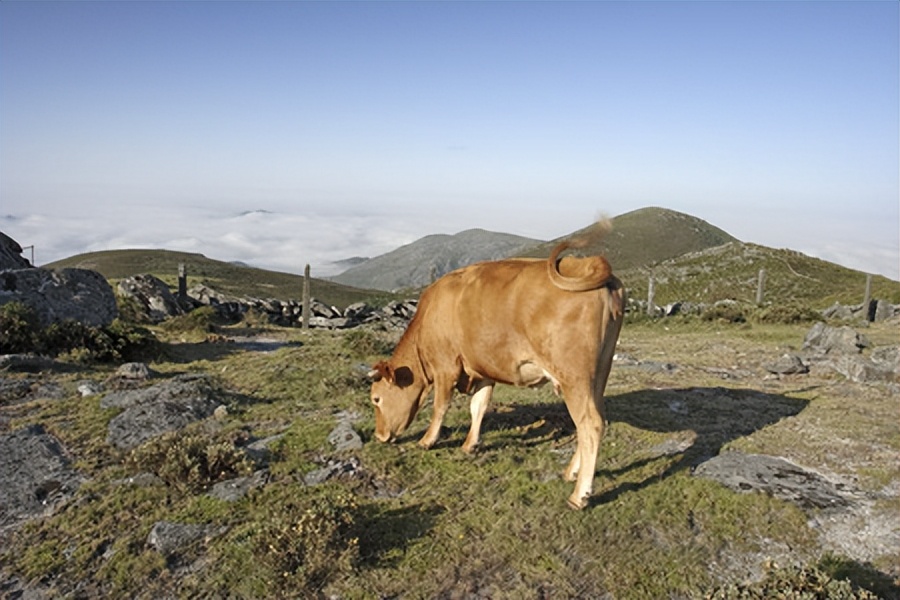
{"x": 598, "y": 276}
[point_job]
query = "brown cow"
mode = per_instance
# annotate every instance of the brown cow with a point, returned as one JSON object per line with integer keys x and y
{"x": 518, "y": 321}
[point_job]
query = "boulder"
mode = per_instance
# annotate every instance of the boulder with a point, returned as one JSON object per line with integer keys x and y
{"x": 154, "y": 296}
{"x": 158, "y": 409}
{"x": 788, "y": 364}
{"x": 36, "y": 473}
{"x": 11, "y": 254}
{"x": 777, "y": 477}
{"x": 60, "y": 295}
{"x": 169, "y": 538}
{"x": 825, "y": 339}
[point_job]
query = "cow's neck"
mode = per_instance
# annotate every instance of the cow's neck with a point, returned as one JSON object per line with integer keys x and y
{"x": 407, "y": 354}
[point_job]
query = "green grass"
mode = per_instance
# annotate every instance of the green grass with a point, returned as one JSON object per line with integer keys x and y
{"x": 440, "y": 523}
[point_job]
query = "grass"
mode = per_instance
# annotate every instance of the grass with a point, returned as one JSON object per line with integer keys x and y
{"x": 442, "y": 524}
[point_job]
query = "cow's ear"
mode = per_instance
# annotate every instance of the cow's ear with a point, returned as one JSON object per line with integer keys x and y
{"x": 380, "y": 371}
{"x": 403, "y": 377}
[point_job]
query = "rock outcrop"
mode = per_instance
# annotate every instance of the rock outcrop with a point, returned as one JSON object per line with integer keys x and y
{"x": 11, "y": 254}
{"x": 60, "y": 295}
{"x": 153, "y": 295}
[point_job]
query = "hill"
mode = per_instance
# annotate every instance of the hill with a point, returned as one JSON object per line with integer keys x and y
{"x": 419, "y": 263}
{"x": 645, "y": 237}
{"x": 229, "y": 278}
{"x": 731, "y": 271}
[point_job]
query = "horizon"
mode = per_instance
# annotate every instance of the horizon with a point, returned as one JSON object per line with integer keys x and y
{"x": 281, "y": 134}
{"x": 335, "y": 267}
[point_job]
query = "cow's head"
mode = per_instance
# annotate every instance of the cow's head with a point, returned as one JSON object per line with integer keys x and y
{"x": 396, "y": 396}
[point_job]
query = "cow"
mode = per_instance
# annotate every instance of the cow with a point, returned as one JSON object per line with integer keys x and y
{"x": 518, "y": 321}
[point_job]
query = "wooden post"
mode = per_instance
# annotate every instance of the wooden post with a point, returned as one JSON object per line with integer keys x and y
{"x": 867, "y": 300}
{"x": 760, "y": 287}
{"x": 307, "y": 309}
{"x": 182, "y": 282}
{"x": 651, "y": 290}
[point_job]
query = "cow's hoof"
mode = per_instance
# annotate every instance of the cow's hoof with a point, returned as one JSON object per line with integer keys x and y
{"x": 425, "y": 445}
{"x": 470, "y": 449}
{"x": 578, "y": 504}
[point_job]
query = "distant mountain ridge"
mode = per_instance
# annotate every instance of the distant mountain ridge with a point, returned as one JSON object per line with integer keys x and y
{"x": 417, "y": 264}
{"x": 641, "y": 237}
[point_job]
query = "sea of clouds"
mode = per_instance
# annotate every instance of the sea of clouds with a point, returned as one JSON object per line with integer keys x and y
{"x": 286, "y": 240}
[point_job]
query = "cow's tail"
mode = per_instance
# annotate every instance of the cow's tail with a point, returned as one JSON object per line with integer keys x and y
{"x": 595, "y": 274}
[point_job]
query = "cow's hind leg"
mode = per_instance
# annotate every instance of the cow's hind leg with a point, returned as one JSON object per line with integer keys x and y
{"x": 480, "y": 401}
{"x": 589, "y": 426}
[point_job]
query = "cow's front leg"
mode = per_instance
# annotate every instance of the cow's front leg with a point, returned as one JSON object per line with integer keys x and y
{"x": 442, "y": 395}
{"x": 480, "y": 401}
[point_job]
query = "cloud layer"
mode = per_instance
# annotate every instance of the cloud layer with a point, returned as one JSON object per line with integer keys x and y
{"x": 286, "y": 240}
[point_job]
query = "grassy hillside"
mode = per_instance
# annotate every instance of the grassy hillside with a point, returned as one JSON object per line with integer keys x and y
{"x": 732, "y": 271}
{"x": 645, "y": 237}
{"x": 222, "y": 276}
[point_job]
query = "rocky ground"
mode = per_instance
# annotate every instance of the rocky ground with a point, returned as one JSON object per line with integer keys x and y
{"x": 805, "y": 416}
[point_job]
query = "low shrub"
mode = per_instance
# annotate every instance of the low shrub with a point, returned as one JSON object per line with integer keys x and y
{"x": 19, "y": 328}
{"x": 787, "y": 313}
{"x": 793, "y": 584}
{"x": 189, "y": 461}
{"x": 20, "y": 331}
{"x": 200, "y": 321}
{"x": 728, "y": 312}
{"x": 306, "y": 544}
{"x": 365, "y": 343}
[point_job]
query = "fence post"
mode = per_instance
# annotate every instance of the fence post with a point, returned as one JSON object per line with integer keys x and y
{"x": 760, "y": 287}
{"x": 307, "y": 309}
{"x": 867, "y": 300}
{"x": 182, "y": 282}
{"x": 651, "y": 291}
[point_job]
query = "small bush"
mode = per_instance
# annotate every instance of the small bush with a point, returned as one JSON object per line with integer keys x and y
{"x": 199, "y": 321}
{"x": 304, "y": 545}
{"x": 19, "y": 328}
{"x": 365, "y": 343}
{"x": 787, "y": 314}
{"x": 190, "y": 462}
{"x": 728, "y": 312}
{"x": 805, "y": 583}
{"x": 20, "y": 331}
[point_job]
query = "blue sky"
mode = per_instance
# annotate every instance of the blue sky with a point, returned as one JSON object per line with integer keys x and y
{"x": 291, "y": 132}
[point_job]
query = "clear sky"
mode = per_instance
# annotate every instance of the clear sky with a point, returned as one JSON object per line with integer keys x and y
{"x": 283, "y": 133}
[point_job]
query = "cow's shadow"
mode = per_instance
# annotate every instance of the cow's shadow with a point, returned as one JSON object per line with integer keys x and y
{"x": 706, "y": 418}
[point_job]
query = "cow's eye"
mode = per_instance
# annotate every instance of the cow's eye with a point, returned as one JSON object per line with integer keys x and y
{"x": 376, "y": 401}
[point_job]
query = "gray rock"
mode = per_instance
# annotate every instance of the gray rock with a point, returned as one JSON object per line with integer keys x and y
{"x": 344, "y": 438}
{"x": 334, "y": 468}
{"x": 89, "y": 388}
{"x": 154, "y": 296}
{"x": 28, "y": 362}
{"x": 134, "y": 370}
{"x": 777, "y": 477}
{"x": 170, "y": 538}
{"x": 60, "y": 295}
{"x": 825, "y": 339}
{"x": 11, "y": 254}
{"x": 235, "y": 489}
{"x": 36, "y": 473}
{"x": 861, "y": 369}
{"x": 788, "y": 364}
{"x": 164, "y": 407}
